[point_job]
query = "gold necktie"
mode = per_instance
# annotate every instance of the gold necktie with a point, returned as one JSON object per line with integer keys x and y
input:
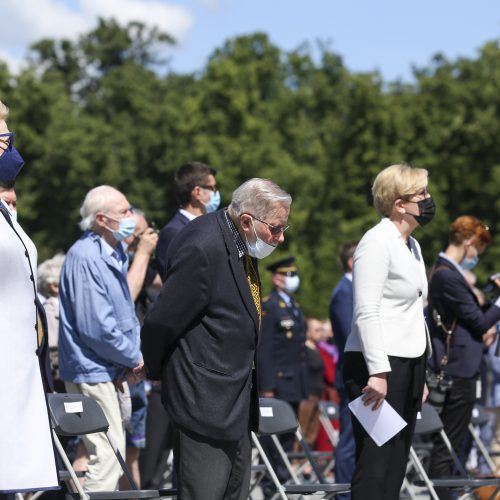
{"x": 253, "y": 282}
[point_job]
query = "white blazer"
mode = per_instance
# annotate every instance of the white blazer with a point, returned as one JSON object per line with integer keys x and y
{"x": 390, "y": 286}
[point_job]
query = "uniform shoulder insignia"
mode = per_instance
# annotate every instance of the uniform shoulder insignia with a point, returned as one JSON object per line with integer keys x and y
{"x": 282, "y": 304}
{"x": 265, "y": 299}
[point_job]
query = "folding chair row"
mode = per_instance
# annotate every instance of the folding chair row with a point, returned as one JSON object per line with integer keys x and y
{"x": 430, "y": 423}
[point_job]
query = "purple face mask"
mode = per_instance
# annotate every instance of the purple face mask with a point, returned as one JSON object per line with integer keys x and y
{"x": 11, "y": 162}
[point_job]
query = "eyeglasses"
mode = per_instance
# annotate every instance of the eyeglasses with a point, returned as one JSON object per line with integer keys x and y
{"x": 210, "y": 188}
{"x": 275, "y": 230}
{"x": 423, "y": 193}
{"x": 5, "y": 140}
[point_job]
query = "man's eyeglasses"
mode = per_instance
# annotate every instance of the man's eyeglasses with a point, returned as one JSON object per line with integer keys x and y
{"x": 210, "y": 188}
{"x": 275, "y": 230}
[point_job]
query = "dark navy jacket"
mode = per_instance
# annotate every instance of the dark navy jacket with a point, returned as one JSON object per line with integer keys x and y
{"x": 453, "y": 298}
{"x": 341, "y": 307}
{"x": 167, "y": 234}
{"x": 281, "y": 355}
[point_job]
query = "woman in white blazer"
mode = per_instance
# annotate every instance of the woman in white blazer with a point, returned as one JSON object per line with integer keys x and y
{"x": 385, "y": 352}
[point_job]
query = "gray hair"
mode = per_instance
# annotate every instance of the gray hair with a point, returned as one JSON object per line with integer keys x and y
{"x": 4, "y": 111}
{"x": 96, "y": 200}
{"x": 49, "y": 272}
{"x": 258, "y": 197}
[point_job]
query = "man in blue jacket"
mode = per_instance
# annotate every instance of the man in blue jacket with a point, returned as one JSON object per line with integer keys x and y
{"x": 341, "y": 307}
{"x": 196, "y": 190}
{"x": 98, "y": 330}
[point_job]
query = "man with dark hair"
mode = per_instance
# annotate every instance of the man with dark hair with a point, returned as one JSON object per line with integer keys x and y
{"x": 196, "y": 191}
{"x": 341, "y": 307}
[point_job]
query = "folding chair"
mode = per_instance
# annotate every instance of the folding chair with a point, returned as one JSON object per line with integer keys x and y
{"x": 73, "y": 415}
{"x": 479, "y": 418}
{"x": 429, "y": 423}
{"x": 277, "y": 417}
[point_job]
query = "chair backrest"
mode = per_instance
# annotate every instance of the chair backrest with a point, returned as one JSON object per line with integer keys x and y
{"x": 330, "y": 409}
{"x": 276, "y": 417}
{"x": 430, "y": 420}
{"x": 75, "y": 414}
{"x": 479, "y": 415}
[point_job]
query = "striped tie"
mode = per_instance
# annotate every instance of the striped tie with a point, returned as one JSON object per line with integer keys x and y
{"x": 253, "y": 282}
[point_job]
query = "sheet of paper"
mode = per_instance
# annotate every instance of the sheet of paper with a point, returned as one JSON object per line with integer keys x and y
{"x": 381, "y": 424}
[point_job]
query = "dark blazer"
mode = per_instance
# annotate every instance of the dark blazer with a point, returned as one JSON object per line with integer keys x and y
{"x": 200, "y": 335}
{"x": 341, "y": 307}
{"x": 167, "y": 234}
{"x": 450, "y": 294}
{"x": 281, "y": 357}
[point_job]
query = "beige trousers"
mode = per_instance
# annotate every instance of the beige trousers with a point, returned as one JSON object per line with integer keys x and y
{"x": 103, "y": 470}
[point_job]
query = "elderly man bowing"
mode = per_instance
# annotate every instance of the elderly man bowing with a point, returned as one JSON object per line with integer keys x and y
{"x": 201, "y": 334}
{"x": 98, "y": 328}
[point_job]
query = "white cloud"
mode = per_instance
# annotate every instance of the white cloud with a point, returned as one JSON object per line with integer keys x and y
{"x": 174, "y": 19}
{"x": 27, "y": 21}
{"x": 213, "y": 5}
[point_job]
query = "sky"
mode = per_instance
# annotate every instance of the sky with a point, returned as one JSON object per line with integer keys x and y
{"x": 390, "y": 36}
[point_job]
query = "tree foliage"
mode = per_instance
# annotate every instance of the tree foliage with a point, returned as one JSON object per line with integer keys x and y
{"x": 95, "y": 111}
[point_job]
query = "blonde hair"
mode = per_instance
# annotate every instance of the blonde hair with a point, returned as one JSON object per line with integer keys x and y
{"x": 4, "y": 111}
{"x": 397, "y": 181}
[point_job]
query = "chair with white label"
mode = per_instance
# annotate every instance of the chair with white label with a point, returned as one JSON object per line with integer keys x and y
{"x": 277, "y": 417}
{"x": 74, "y": 415}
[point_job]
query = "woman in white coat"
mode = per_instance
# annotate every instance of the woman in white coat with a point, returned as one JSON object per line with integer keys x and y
{"x": 27, "y": 460}
{"x": 385, "y": 352}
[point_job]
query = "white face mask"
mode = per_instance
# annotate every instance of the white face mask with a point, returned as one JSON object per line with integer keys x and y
{"x": 292, "y": 283}
{"x": 260, "y": 249}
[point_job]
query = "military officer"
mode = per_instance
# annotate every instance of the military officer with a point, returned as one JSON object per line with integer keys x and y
{"x": 281, "y": 356}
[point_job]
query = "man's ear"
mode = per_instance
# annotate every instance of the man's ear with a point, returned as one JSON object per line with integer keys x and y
{"x": 246, "y": 222}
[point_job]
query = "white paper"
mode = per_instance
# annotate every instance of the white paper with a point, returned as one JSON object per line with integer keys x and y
{"x": 74, "y": 407}
{"x": 266, "y": 411}
{"x": 381, "y": 424}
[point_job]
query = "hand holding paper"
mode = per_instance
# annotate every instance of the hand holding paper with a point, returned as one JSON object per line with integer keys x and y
{"x": 381, "y": 424}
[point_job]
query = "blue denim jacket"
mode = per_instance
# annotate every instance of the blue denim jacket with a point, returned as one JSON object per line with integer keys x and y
{"x": 99, "y": 334}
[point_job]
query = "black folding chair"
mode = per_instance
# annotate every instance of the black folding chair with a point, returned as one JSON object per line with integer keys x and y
{"x": 74, "y": 415}
{"x": 277, "y": 417}
{"x": 430, "y": 423}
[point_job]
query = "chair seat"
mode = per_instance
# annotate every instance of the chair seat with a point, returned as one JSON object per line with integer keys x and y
{"x": 118, "y": 495}
{"x": 465, "y": 482}
{"x": 316, "y": 454}
{"x": 168, "y": 492}
{"x": 309, "y": 489}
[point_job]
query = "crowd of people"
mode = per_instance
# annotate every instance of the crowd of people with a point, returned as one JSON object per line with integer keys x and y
{"x": 171, "y": 333}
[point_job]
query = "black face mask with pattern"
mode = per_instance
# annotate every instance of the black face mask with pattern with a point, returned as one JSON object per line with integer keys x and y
{"x": 427, "y": 209}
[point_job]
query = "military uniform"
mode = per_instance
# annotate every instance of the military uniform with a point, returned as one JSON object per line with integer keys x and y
{"x": 281, "y": 356}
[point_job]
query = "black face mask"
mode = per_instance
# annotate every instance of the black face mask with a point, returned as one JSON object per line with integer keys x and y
{"x": 427, "y": 209}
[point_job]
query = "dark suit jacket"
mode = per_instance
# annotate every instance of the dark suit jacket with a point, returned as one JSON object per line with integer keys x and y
{"x": 282, "y": 356}
{"x": 450, "y": 294}
{"x": 341, "y": 307}
{"x": 167, "y": 234}
{"x": 200, "y": 335}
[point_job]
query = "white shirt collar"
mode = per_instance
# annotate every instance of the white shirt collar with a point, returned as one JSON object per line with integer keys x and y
{"x": 187, "y": 214}
{"x": 348, "y": 276}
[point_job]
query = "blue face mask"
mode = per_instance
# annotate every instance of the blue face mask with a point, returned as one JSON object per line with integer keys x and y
{"x": 468, "y": 264}
{"x": 214, "y": 202}
{"x": 11, "y": 162}
{"x": 126, "y": 229}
